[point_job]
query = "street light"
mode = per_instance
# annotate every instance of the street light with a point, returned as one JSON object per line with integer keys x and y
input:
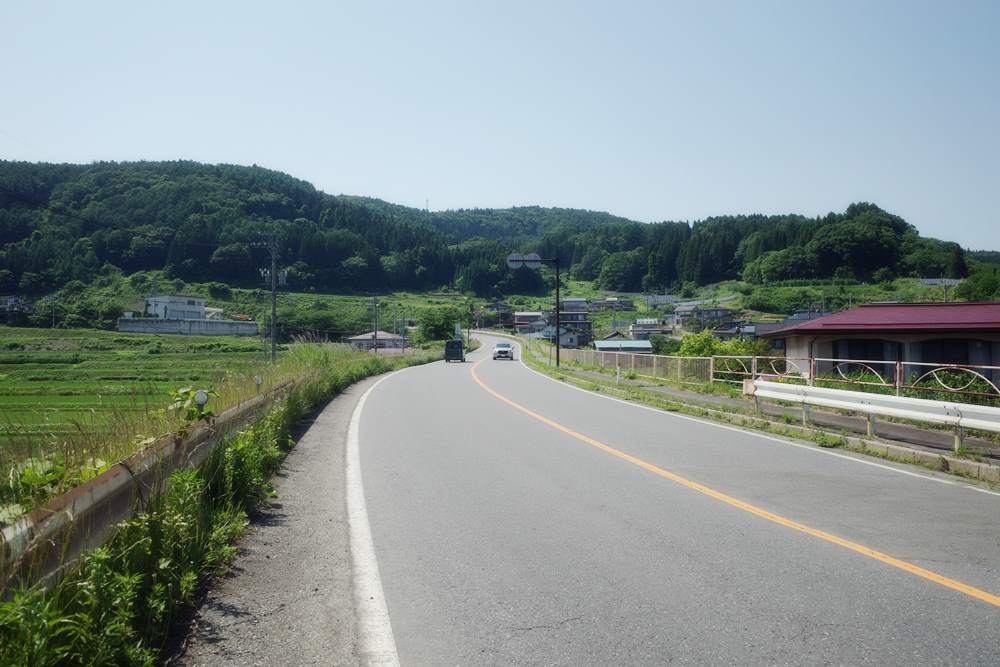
{"x": 534, "y": 262}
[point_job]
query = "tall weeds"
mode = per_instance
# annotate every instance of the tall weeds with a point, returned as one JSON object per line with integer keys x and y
{"x": 118, "y": 603}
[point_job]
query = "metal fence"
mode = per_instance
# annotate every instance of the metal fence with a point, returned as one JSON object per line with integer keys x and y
{"x": 967, "y": 383}
{"x": 685, "y": 370}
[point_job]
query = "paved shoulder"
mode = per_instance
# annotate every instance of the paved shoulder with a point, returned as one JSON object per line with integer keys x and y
{"x": 289, "y": 599}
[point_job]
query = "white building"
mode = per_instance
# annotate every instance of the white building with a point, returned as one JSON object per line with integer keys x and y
{"x": 381, "y": 339}
{"x": 182, "y": 314}
{"x": 176, "y": 307}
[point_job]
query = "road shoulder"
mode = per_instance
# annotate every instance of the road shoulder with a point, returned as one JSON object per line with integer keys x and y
{"x": 288, "y": 599}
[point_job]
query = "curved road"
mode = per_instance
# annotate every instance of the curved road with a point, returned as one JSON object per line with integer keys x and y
{"x": 517, "y": 520}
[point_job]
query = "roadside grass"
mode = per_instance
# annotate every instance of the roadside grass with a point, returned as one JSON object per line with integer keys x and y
{"x": 73, "y": 402}
{"x": 118, "y": 603}
{"x": 827, "y": 438}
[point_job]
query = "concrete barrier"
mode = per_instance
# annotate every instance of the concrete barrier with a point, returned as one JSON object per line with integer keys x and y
{"x": 155, "y": 325}
{"x": 40, "y": 543}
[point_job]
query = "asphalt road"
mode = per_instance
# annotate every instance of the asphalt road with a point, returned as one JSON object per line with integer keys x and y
{"x": 573, "y": 529}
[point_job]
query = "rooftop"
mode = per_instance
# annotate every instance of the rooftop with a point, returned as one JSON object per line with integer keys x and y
{"x": 902, "y": 317}
{"x": 177, "y": 296}
{"x": 385, "y": 335}
{"x": 615, "y": 345}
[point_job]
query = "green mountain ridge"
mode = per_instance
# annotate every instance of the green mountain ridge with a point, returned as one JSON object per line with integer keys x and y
{"x": 202, "y": 222}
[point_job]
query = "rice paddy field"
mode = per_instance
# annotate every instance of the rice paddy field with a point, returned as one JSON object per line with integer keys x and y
{"x": 55, "y": 382}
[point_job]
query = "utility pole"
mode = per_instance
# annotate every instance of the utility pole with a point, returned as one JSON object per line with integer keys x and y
{"x": 52, "y": 300}
{"x": 375, "y": 330}
{"x": 558, "y": 305}
{"x": 274, "y": 297}
{"x": 272, "y": 275}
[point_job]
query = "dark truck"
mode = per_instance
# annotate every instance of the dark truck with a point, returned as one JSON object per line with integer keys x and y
{"x": 454, "y": 350}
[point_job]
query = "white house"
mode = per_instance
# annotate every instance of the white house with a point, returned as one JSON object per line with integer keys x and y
{"x": 182, "y": 314}
{"x": 382, "y": 340}
{"x": 645, "y": 327}
{"x": 176, "y": 307}
{"x": 637, "y": 346}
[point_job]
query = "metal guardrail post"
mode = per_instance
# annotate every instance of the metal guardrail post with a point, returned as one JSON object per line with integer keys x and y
{"x": 711, "y": 369}
{"x": 959, "y": 438}
{"x": 872, "y": 427}
{"x": 898, "y": 379}
{"x": 812, "y": 371}
{"x": 753, "y": 367}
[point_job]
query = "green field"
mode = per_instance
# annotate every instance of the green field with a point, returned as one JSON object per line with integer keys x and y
{"x": 57, "y": 381}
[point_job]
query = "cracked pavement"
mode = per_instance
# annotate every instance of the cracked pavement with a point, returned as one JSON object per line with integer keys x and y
{"x": 288, "y": 598}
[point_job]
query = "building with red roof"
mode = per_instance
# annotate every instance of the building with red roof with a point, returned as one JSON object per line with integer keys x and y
{"x": 933, "y": 333}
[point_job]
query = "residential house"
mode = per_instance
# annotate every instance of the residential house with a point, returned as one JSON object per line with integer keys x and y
{"x": 379, "y": 339}
{"x": 612, "y": 303}
{"x": 567, "y": 337}
{"x": 176, "y": 307}
{"x": 182, "y": 314}
{"x": 932, "y": 333}
{"x": 645, "y": 327}
{"x": 574, "y": 304}
{"x": 529, "y": 321}
{"x": 635, "y": 346}
{"x": 694, "y": 316}
{"x": 578, "y": 322}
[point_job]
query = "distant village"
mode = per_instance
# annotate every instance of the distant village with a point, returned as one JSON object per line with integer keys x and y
{"x": 929, "y": 333}
{"x": 629, "y": 334}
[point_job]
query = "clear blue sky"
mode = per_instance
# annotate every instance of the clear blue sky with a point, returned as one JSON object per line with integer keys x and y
{"x": 650, "y": 110}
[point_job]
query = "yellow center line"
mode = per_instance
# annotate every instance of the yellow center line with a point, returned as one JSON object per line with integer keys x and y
{"x": 985, "y": 596}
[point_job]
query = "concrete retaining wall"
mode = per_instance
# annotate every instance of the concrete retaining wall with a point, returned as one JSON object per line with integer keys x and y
{"x": 39, "y": 544}
{"x": 188, "y": 327}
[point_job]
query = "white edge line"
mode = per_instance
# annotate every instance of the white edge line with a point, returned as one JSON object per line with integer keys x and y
{"x": 762, "y": 436}
{"x": 377, "y": 646}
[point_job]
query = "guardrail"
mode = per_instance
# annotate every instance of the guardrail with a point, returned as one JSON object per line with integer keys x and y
{"x": 959, "y": 416}
{"x": 967, "y": 382}
{"x": 43, "y": 541}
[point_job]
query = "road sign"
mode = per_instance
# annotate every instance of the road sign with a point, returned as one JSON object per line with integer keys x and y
{"x": 515, "y": 260}
{"x": 532, "y": 261}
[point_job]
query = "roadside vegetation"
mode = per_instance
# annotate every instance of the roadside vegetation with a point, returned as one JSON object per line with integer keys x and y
{"x": 117, "y": 604}
{"x": 74, "y": 402}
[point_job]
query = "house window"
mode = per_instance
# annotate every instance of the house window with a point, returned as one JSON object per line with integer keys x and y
{"x": 190, "y": 302}
{"x": 956, "y": 351}
{"x": 864, "y": 349}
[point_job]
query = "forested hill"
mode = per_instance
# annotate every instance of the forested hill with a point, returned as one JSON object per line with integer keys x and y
{"x": 201, "y": 222}
{"x": 517, "y": 225}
